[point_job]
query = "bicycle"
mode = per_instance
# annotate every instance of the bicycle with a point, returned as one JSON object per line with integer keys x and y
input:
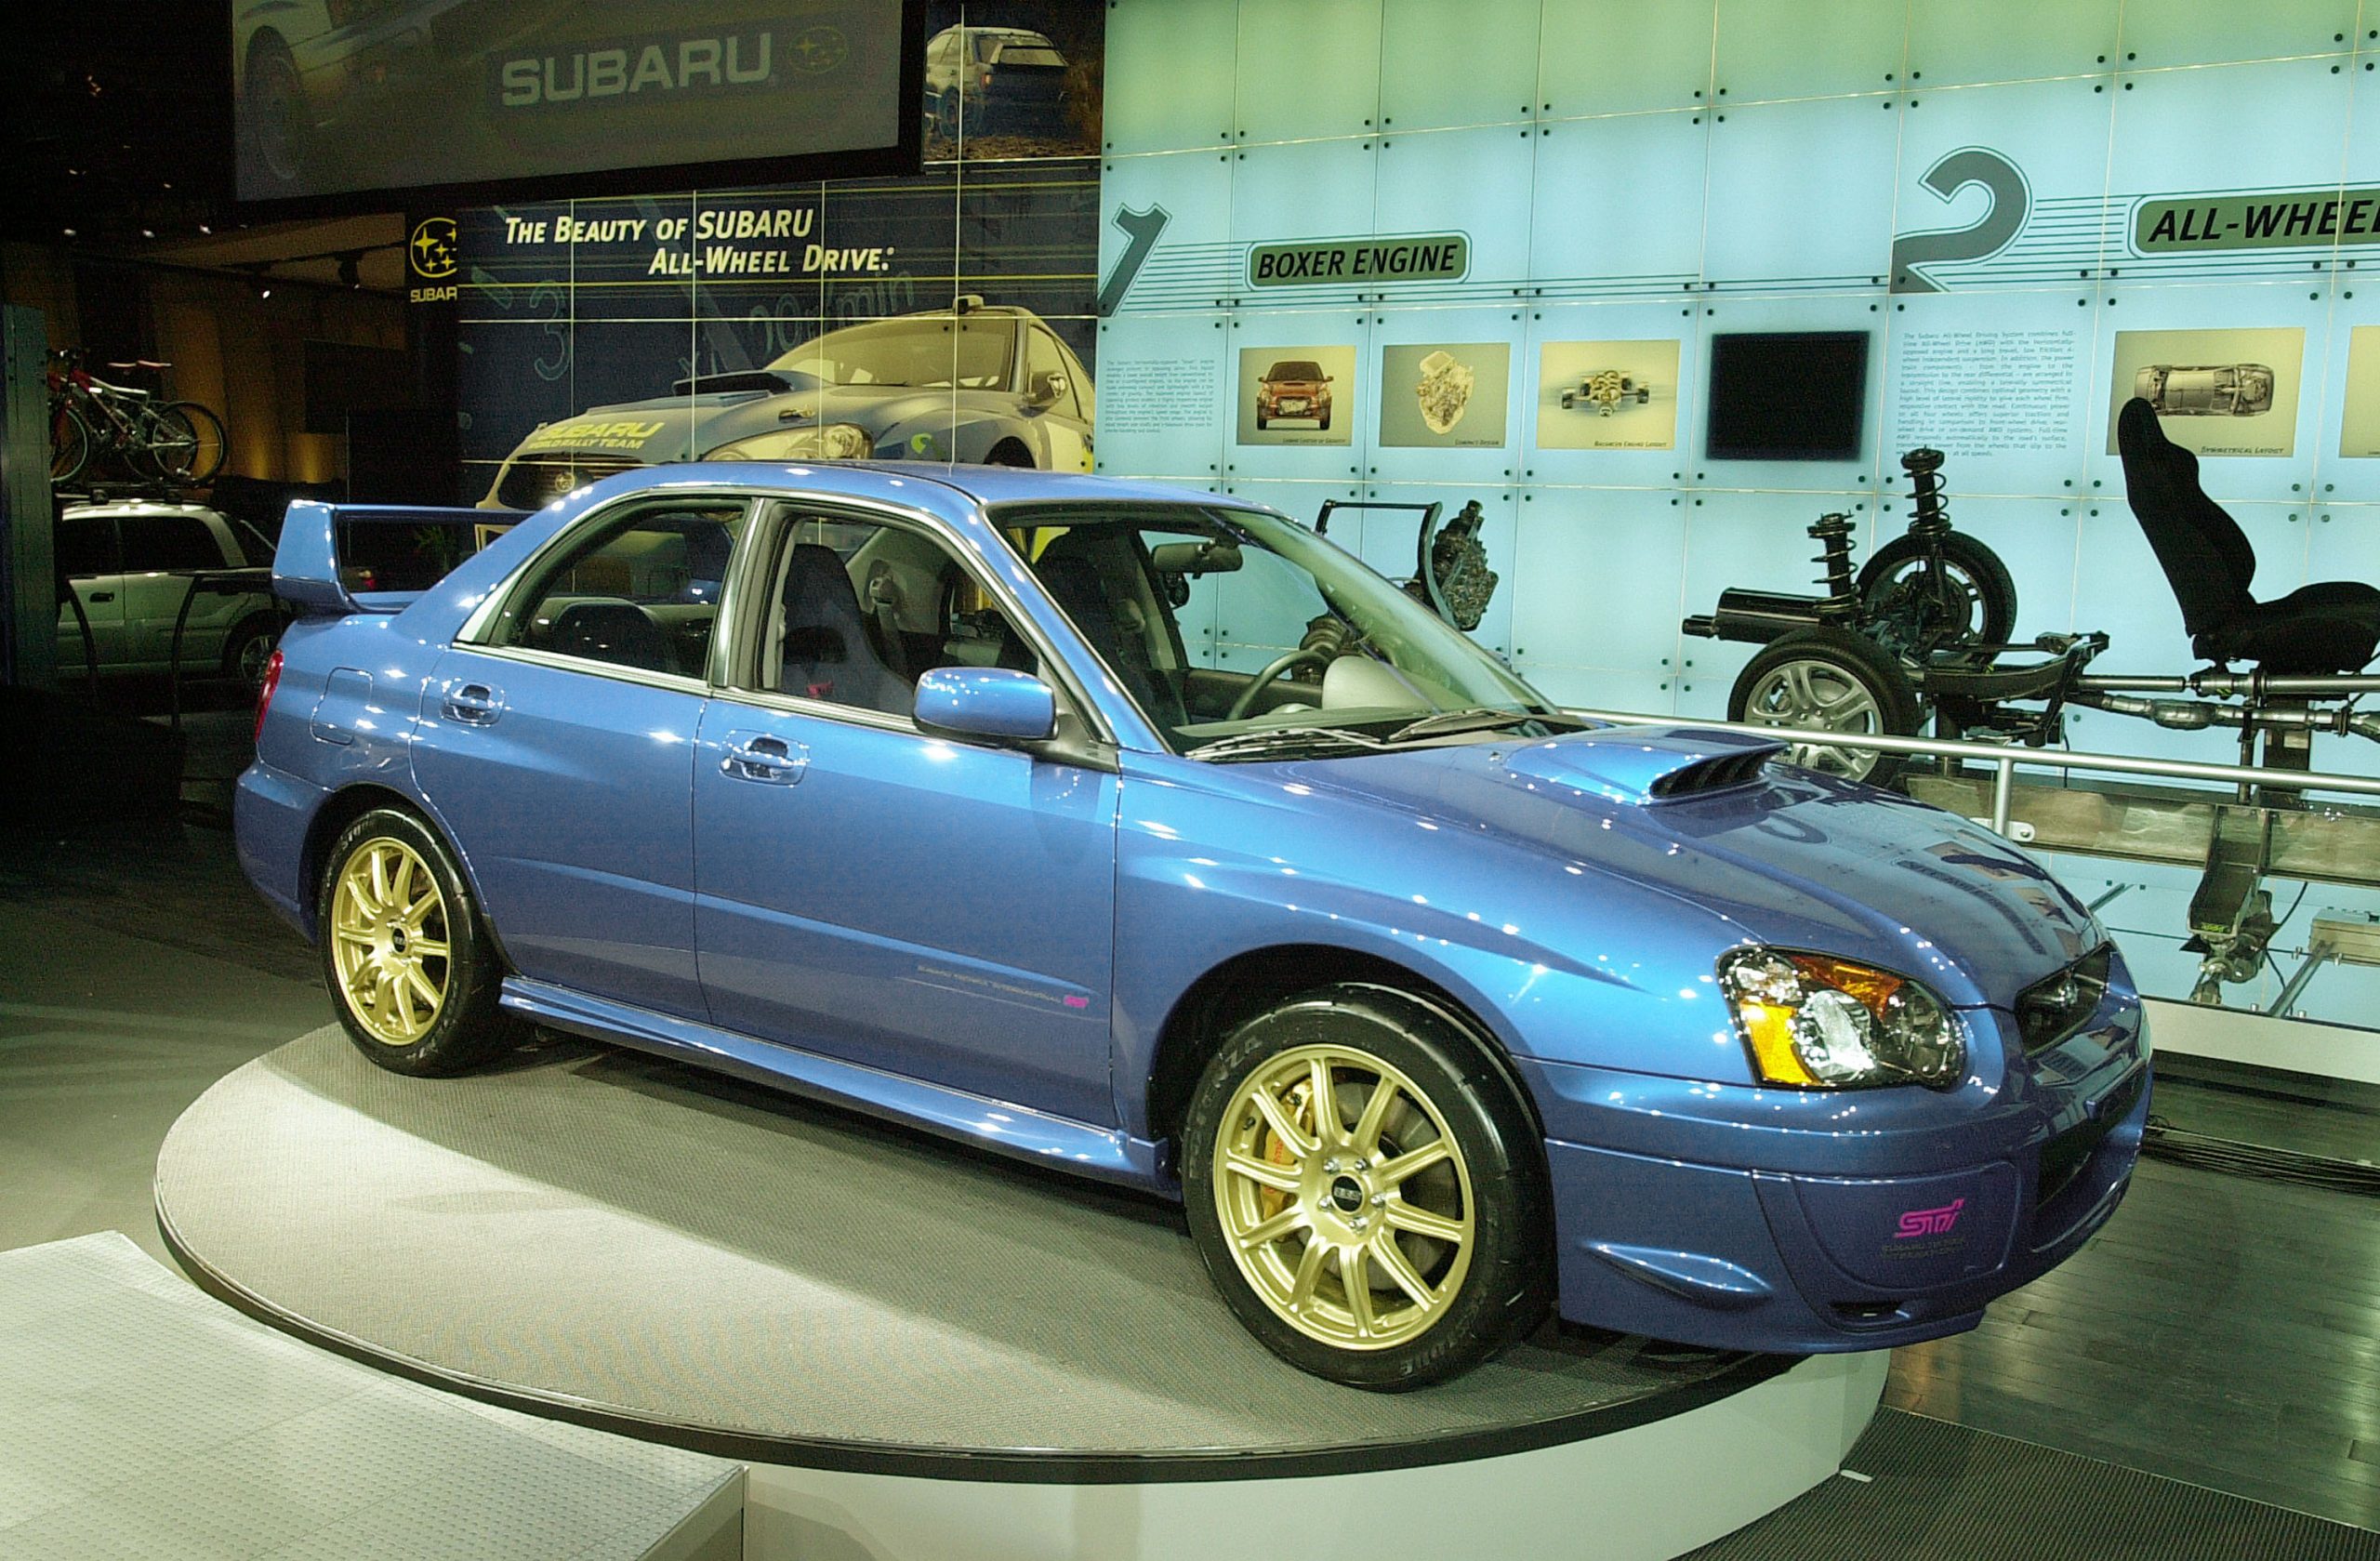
{"x": 176, "y": 442}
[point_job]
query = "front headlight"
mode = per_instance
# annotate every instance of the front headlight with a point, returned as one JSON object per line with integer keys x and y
{"x": 1817, "y": 1023}
{"x": 825, "y": 442}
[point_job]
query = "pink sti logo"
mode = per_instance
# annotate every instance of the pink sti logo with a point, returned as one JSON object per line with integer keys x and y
{"x": 1929, "y": 1222}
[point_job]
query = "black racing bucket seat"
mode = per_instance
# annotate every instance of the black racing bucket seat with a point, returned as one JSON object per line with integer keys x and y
{"x": 2329, "y": 627}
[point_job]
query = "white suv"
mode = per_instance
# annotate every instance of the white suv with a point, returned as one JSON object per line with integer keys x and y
{"x": 130, "y": 564}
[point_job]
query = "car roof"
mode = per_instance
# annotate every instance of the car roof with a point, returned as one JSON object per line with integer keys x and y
{"x": 135, "y": 507}
{"x": 984, "y": 485}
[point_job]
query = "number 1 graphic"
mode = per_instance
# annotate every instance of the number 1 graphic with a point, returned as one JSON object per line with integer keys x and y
{"x": 1141, "y": 228}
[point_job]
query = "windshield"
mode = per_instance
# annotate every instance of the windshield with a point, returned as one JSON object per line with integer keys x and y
{"x": 1243, "y": 635}
{"x": 933, "y": 351}
{"x": 1300, "y": 369}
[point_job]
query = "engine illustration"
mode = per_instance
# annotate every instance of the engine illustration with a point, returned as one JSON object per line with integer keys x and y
{"x": 1445, "y": 391}
{"x": 2205, "y": 390}
{"x": 1605, "y": 391}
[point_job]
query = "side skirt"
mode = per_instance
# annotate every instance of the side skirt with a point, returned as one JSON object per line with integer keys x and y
{"x": 1104, "y": 1153}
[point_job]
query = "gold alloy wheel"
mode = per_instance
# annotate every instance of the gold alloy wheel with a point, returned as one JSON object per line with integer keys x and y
{"x": 1344, "y": 1197}
{"x": 389, "y": 941}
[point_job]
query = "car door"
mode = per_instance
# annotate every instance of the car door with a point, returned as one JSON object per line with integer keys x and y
{"x": 162, "y": 549}
{"x": 557, "y": 741}
{"x": 1054, "y": 389}
{"x": 87, "y": 556}
{"x": 932, "y": 907}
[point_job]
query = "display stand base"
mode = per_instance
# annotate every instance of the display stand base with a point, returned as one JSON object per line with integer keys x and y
{"x": 922, "y": 1350}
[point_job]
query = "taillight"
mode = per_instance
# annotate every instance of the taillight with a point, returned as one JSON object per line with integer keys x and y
{"x": 264, "y": 694}
{"x": 987, "y": 79}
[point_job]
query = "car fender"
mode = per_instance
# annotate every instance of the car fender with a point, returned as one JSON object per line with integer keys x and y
{"x": 1584, "y": 966}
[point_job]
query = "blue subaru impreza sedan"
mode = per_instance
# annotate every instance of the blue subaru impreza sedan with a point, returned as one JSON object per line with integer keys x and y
{"x": 1146, "y": 833}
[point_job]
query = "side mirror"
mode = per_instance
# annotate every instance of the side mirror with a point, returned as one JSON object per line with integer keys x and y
{"x": 1049, "y": 387}
{"x": 985, "y": 704}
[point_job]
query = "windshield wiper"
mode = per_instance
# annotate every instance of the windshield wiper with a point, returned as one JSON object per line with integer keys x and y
{"x": 1478, "y": 718}
{"x": 1268, "y": 740}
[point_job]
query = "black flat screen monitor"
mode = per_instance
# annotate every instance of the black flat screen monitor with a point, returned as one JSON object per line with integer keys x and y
{"x": 1787, "y": 395}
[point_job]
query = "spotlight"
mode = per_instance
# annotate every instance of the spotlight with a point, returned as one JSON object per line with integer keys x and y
{"x": 68, "y": 231}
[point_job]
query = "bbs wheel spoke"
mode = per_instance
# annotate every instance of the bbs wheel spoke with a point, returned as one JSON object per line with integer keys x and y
{"x": 1309, "y": 1273}
{"x": 1289, "y": 1219}
{"x": 1269, "y": 1173}
{"x": 1400, "y": 1269}
{"x": 1412, "y": 1218}
{"x": 1367, "y": 1126}
{"x": 1393, "y": 1173}
{"x": 1355, "y": 1276}
{"x": 1276, "y": 1116}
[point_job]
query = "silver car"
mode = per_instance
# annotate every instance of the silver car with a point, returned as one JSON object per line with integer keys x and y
{"x": 130, "y": 564}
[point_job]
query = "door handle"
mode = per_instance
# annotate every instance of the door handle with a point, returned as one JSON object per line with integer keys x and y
{"x": 473, "y": 704}
{"x": 101, "y": 596}
{"x": 756, "y": 756}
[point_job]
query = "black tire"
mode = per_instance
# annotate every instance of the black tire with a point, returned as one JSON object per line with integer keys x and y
{"x": 1893, "y": 588}
{"x": 1491, "y": 1287}
{"x": 69, "y": 445}
{"x": 467, "y": 1029}
{"x": 1263, "y": 422}
{"x": 248, "y": 648}
{"x": 1325, "y": 422}
{"x": 186, "y": 442}
{"x": 1864, "y": 687}
{"x": 945, "y": 114}
{"x": 1008, "y": 452}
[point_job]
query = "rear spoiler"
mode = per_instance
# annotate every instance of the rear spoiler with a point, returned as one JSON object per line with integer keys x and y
{"x": 336, "y": 559}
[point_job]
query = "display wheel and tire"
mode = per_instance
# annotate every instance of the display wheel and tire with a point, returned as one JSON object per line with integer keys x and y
{"x": 69, "y": 445}
{"x": 1977, "y": 605}
{"x": 1829, "y": 679}
{"x": 186, "y": 442}
{"x": 278, "y": 135}
{"x": 1366, "y": 1189}
{"x": 249, "y": 649}
{"x": 412, "y": 970}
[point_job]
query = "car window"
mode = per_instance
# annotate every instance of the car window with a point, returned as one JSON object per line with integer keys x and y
{"x": 1041, "y": 356}
{"x": 858, "y": 610}
{"x": 158, "y": 542}
{"x": 1286, "y": 630}
{"x": 929, "y": 351}
{"x": 641, "y": 589}
{"x": 85, "y": 546}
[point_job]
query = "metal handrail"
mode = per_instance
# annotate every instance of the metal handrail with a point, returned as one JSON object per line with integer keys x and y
{"x": 2004, "y": 759}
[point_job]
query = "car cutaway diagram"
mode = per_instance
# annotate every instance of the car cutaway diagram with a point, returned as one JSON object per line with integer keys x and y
{"x": 2202, "y": 391}
{"x": 1293, "y": 388}
{"x": 907, "y": 787}
{"x": 974, "y": 383}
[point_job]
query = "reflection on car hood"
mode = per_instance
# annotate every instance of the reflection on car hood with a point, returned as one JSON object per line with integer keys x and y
{"x": 687, "y": 428}
{"x": 1791, "y": 858}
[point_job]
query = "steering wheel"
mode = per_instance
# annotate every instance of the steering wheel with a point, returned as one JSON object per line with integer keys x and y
{"x": 1273, "y": 670}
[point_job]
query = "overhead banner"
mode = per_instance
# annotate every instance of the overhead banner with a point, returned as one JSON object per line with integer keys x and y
{"x": 369, "y": 97}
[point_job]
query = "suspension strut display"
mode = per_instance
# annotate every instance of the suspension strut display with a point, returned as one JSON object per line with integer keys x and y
{"x": 1933, "y": 518}
{"x": 1841, "y": 603}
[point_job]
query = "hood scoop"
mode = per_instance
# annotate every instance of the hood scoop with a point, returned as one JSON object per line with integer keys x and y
{"x": 1645, "y": 765}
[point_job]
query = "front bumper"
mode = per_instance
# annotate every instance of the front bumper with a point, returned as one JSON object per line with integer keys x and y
{"x": 1836, "y": 1238}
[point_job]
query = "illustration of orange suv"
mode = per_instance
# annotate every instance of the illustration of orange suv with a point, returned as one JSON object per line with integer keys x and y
{"x": 1293, "y": 388}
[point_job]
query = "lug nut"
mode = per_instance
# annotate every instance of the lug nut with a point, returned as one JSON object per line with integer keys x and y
{"x": 1380, "y": 1199}
{"x": 1332, "y": 1166}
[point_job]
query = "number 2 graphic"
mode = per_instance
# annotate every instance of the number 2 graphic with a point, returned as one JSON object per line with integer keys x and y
{"x": 2011, "y": 201}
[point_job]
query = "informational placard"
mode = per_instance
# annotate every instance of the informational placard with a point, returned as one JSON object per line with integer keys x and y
{"x": 1296, "y": 395}
{"x": 1447, "y": 396}
{"x": 2225, "y": 392}
{"x": 1608, "y": 395}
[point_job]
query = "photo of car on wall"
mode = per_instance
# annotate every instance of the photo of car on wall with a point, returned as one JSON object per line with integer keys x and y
{"x": 974, "y": 383}
{"x": 1293, "y": 388}
{"x": 1015, "y": 80}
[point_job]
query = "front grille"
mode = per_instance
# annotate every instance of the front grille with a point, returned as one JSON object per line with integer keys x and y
{"x": 2049, "y": 1010}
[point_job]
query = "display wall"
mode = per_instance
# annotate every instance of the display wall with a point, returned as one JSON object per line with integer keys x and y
{"x": 567, "y": 306}
{"x": 1461, "y": 214}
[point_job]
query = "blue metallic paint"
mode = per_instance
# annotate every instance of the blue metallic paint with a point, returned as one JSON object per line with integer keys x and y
{"x": 990, "y": 944}
{"x": 985, "y": 702}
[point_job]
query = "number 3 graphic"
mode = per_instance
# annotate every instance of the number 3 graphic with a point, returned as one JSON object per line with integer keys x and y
{"x": 2012, "y": 200}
